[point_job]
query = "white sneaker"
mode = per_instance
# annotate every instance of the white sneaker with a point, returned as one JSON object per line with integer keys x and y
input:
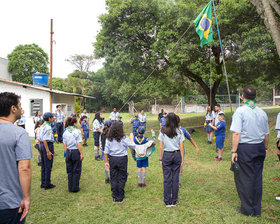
{"x": 277, "y": 198}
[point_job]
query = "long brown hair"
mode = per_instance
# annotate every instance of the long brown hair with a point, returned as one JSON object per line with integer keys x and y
{"x": 171, "y": 126}
{"x": 115, "y": 132}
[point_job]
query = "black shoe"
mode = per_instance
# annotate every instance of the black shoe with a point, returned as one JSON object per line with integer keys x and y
{"x": 107, "y": 180}
{"x": 168, "y": 204}
{"x": 121, "y": 200}
{"x": 40, "y": 164}
{"x": 174, "y": 204}
{"x": 115, "y": 200}
{"x": 50, "y": 186}
{"x": 97, "y": 158}
{"x": 42, "y": 186}
{"x": 139, "y": 184}
{"x": 76, "y": 191}
{"x": 210, "y": 143}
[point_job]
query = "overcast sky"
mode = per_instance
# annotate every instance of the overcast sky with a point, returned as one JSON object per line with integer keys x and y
{"x": 75, "y": 26}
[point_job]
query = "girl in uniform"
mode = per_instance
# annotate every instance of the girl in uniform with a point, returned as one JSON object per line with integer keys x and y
{"x": 208, "y": 120}
{"x": 171, "y": 142}
{"x": 97, "y": 126}
{"x": 116, "y": 147}
{"x": 72, "y": 139}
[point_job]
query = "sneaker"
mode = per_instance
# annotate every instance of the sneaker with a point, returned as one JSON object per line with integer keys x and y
{"x": 139, "y": 184}
{"x": 210, "y": 143}
{"x": 174, "y": 204}
{"x": 219, "y": 159}
{"x": 168, "y": 204}
{"x": 277, "y": 198}
{"x": 97, "y": 158}
{"x": 144, "y": 185}
{"x": 84, "y": 145}
{"x": 115, "y": 200}
{"x": 42, "y": 186}
{"x": 121, "y": 201}
{"x": 216, "y": 157}
{"x": 50, "y": 186}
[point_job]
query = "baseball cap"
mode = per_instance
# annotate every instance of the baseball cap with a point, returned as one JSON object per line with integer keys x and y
{"x": 136, "y": 115}
{"x": 47, "y": 115}
{"x": 141, "y": 130}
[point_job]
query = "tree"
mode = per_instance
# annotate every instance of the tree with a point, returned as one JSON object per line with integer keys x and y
{"x": 26, "y": 60}
{"x": 82, "y": 62}
{"x": 265, "y": 10}
{"x": 137, "y": 37}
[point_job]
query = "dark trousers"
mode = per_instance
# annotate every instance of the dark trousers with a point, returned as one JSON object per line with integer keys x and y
{"x": 171, "y": 163}
{"x": 74, "y": 169}
{"x": 59, "y": 127}
{"x": 10, "y": 216}
{"x": 248, "y": 178}
{"x": 118, "y": 174}
{"x": 46, "y": 166}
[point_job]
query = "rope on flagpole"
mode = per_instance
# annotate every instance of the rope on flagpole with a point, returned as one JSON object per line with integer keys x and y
{"x": 223, "y": 58}
{"x": 168, "y": 51}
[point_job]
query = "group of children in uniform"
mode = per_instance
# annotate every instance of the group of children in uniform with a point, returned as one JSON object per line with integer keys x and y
{"x": 215, "y": 120}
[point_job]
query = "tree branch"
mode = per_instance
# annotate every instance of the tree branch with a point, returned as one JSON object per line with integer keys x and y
{"x": 276, "y": 7}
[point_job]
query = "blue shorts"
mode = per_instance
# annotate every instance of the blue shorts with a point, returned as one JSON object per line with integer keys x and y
{"x": 207, "y": 127}
{"x": 143, "y": 163}
{"x": 86, "y": 135}
{"x": 220, "y": 142}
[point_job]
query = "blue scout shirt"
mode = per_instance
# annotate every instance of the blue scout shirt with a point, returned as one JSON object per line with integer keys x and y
{"x": 46, "y": 133}
{"x": 251, "y": 123}
{"x": 53, "y": 125}
{"x": 140, "y": 140}
{"x": 115, "y": 148}
{"x": 59, "y": 116}
{"x": 186, "y": 133}
{"x": 85, "y": 126}
{"x": 71, "y": 137}
{"x": 135, "y": 123}
{"x": 171, "y": 144}
{"x": 163, "y": 121}
{"x": 277, "y": 126}
{"x": 221, "y": 126}
{"x": 21, "y": 121}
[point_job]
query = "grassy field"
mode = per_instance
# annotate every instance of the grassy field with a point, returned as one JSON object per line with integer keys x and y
{"x": 207, "y": 195}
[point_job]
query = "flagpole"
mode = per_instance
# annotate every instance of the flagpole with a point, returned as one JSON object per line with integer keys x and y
{"x": 224, "y": 63}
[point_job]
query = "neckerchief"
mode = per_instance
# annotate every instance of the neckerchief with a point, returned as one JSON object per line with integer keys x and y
{"x": 46, "y": 123}
{"x": 140, "y": 140}
{"x": 250, "y": 103}
{"x": 71, "y": 128}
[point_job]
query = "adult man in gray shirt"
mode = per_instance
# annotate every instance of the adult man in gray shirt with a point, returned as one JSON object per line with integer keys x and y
{"x": 15, "y": 166}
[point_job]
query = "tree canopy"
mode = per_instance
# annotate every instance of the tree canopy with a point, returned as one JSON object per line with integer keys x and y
{"x": 137, "y": 36}
{"x": 26, "y": 60}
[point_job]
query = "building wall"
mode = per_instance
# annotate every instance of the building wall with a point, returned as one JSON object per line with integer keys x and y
{"x": 66, "y": 101}
{"x": 27, "y": 94}
{"x": 4, "y": 74}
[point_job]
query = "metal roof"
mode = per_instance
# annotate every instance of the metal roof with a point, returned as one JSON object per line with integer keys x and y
{"x": 47, "y": 89}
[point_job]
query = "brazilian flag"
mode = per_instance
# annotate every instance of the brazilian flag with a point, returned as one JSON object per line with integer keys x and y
{"x": 203, "y": 25}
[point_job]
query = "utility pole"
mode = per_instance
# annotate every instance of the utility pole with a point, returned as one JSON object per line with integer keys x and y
{"x": 51, "y": 51}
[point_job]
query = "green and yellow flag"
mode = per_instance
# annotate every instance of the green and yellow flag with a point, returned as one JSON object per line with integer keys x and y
{"x": 203, "y": 25}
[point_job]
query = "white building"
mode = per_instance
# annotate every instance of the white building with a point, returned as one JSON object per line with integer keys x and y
{"x": 34, "y": 98}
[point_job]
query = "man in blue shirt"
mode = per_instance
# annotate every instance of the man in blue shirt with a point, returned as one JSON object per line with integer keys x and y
{"x": 249, "y": 144}
{"x": 15, "y": 165}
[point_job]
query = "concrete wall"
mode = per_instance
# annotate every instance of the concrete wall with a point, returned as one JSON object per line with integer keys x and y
{"x": 27, "y": 94}
{"x": 4, "y": 74}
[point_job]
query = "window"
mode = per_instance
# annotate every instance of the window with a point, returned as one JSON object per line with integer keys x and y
{"x": 69, "y": 108}
{"x": 36, "y": 104}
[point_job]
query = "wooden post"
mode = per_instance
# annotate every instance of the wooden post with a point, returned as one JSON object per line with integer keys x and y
{"x": 51, "y": 64}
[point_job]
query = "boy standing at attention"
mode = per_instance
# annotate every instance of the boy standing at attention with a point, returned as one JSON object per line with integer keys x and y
{"x": 85, "y": 130}
{"x": 135, "y": 125}
{"x": 220, "y": 133}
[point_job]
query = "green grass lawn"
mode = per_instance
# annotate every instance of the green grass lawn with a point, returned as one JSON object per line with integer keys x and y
{"x": 207, "y": 195}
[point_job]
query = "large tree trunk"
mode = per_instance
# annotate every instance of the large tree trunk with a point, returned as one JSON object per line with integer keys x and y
{"x": 265, "y": 11}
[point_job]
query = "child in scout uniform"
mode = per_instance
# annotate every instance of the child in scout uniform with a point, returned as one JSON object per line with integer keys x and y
{"x": 209, "y": 116}
{"x": 135, "y": 125}
{"x": 163, "y": 120}
{"x": 85, "y": 130}
{"x": 141, "y": 154}
{"x": 47, "y": 150}
{"x": 37, "y": 146}
{"x": 72, "y": 139}
{"x": 116, "y": 147}
{"x": 220, "y": 134}
{"x": 102, "y": 148}
{"x": 97, "y": 127}
{"x": 120, "y": 120}
{"x": 189, "y": 137}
